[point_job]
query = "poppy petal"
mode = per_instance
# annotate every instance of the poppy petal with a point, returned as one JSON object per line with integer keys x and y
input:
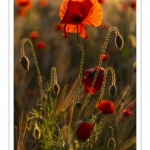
{"x": 95, "y": 16}
{"x": 73, "y": 29}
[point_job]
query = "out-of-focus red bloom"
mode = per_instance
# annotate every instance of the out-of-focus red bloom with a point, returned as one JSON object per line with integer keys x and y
{"x": 125, "y": 7}
{"x": 104, "y": 57}
{"x": 101, "y": 1}
{"x": 24, "y": 5}
{"x": 106, "y": 106}
{"x": 126, "y": 112}
{"x": 79, "y": 13}
{"x": 84, "y": 130}
{"x": 34, "y": 35}
{"x": 133, "y": 5}
{"x": 104, "y": 26}
{"x": 88, "y": 79}
{"x": 58, "y": 27}
{"x": 27, "y": 4}
{"x": 43, "y": 3}
{"x": 41, "y": 45}
{"x": 31, "y": 93}
{"x": 22, "y": 12}
{"x": 23, "y": 2}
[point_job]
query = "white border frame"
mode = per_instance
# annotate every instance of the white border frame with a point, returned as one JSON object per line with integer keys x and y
{"x": 7, "y": 74}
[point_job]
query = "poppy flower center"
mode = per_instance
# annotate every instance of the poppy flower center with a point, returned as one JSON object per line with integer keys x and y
{"x": 77, "y": 18}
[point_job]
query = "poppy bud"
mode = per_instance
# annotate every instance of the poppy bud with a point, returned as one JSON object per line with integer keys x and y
{"x": 112, "y": 143}
{"x": 24, "y": 63}
{"x": 84, "y": 130}
{"x": 112, "y": 91}
{"x": 79, "y": 104}
{"x": 119, "y": 41}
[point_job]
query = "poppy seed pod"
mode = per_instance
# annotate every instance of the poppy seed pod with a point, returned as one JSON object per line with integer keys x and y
{"x": 88, "y": 79}
{"x": 106, "y": 107}
{"x": 84, "y": 130}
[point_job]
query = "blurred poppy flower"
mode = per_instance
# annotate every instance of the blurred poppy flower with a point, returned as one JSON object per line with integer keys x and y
{"x": 58, "y": 26}
{"x": 41, "y": 45}
{"x": 84, "y": 130}
{"x": 24, "y": 3}
{"x": 125, "y": 7}
{"x": 106, "y": 106}
{"x": 25, "y": 6}
{"x": 126, "y": 112}
{"x": 43, "y": 3}
{"x": 88, "y": 79}
{"x": 104, "y": 57}
{"x": 22, "y": 12}
{"x": 31, "y": 93}
{"x": 79, "y": 13}
{"x": 34, "y": 35}
{"x": 133, "y": 5}
{"x": 104, "y": 26}
{"x": 101, "y": 1}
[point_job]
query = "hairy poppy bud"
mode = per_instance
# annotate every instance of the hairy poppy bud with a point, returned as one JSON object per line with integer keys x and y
{"x": 24, "y": 63}
{"x": 119, "y": 41}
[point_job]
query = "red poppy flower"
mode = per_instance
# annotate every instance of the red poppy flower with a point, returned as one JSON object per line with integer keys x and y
{"x": 43, "y": 3}
{"x": 79, "y": 13}
{"x": 23, "y": 2}
{"x": 41, "y": 45}
{"x": 106, "y": 106}
{"x": 101, "y": 1}
{"x": 34, "y": 35}
{"x": 58, "y": 27}
{"x": 104, "y": 26}
{"x": 31, "y": 93}
{"x": 105, "y": 57}
{"x": 133, "y": 5}
{"x": 26, "y": 4}
{"x": 22, "y": 12}
{"x": 127, "y": 112}
{"x": 84, "y": 130}
{"x": 125, "y": 7}
{"x": 88, "y": 79}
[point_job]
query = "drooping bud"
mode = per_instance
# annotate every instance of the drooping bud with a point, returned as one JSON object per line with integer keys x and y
{"x": 24, "y": 61}
{"x": 119, "y": 41}
{"x": 112, "y": 91}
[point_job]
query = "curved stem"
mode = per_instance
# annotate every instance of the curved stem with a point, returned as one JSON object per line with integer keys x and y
{"x": 80, "y": 74}
{"x": 99, "y": 65}
{"x": 35, "y": 62}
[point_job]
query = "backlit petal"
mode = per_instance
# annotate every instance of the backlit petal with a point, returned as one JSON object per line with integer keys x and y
{"x": 95, "y": 16}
